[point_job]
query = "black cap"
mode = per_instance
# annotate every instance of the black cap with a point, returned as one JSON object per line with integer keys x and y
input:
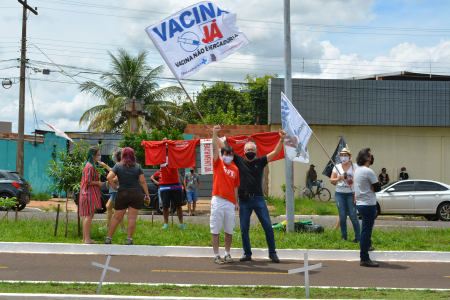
{"x": 312, "y": 166}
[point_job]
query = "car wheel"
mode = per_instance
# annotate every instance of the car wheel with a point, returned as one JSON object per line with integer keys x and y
{"x": 443, "y": 211}
{"x": 21, "y": 206}
{"x": 378, "y": 211}
{"x": 431, "y": 217}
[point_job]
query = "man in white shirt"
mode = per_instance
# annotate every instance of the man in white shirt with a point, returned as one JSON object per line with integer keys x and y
{"x": 366, "y": 185}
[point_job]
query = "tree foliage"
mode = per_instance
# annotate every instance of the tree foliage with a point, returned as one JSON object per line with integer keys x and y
{"x": 134, "y": 140}
{"x": 130, "y": 77}
{"x": 221, "y": 104}
{"x": 258, "y": 97}
{"x": 67, "y": 169}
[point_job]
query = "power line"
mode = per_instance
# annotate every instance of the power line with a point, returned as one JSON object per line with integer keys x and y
{"x": 76, "y": 3}
{"x": 255, "y": 27}
{"x": 160, "y": 60}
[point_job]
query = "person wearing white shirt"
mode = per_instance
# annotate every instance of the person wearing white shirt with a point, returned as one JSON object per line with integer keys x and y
{"x": 366, "y": 185}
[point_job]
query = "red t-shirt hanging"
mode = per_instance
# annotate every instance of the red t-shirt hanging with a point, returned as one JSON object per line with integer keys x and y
{"x": 155, "y": 152}
{"x": 182, "y": 153}
{"x": 225, "y": 179}
{"x": 266, "y": 143}
{"x": 238, "y": 143}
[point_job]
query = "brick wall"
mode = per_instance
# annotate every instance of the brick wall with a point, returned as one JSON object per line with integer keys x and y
{"x": 200, "y": 132}
{"x": 27, "y": 137}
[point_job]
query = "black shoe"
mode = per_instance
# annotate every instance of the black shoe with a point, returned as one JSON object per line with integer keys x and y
{"x": 274, "y": 258}
{"x": 107, "y": 240}
{"x": 245, "y": 258}
{"x": 356, "y": 241}
{"x": 371, "y": 248}
{"x": 344, "y": 239}
{"x": 369, "y": 263}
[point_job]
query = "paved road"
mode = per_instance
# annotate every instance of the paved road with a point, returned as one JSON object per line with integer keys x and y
{"x": 385, "y": 223}
{"x": 46, "y": 267}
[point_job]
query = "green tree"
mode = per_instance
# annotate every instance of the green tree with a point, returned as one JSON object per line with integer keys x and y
{"x": 258, "y": 96}
{"x": 222, "y": 104}
{"x": 67, "y": 169}
{"x": 130, "y": 77}
{"x": 134, "y": 140}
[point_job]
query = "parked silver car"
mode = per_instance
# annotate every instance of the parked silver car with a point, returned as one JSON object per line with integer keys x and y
{"x": 415, "y": 197}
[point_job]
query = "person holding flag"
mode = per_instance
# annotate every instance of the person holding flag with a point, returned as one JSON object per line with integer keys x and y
{"x": 251, "y": 195}
{"x": 224, "y": 200}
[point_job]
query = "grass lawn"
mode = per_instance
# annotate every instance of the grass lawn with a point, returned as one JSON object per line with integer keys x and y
{"x": 400, "y": 239}
{"x": 211, "y": 291}
{"x": 303, "y": 207}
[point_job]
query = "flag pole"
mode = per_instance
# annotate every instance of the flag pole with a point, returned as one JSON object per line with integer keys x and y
{"x": 187, "y": 94}
{"x": 289, "y": 165}
{"x": 325, "y": 151}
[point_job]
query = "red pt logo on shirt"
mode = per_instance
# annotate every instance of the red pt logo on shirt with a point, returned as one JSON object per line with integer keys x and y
{"x": 229, "y": 172}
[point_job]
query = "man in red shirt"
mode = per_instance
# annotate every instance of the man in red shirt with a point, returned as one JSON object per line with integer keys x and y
{"x": 224, "y": 202}
{"x": 171, "y": 190}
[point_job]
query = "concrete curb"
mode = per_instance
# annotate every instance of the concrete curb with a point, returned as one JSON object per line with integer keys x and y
{"x": 178, "y": 251}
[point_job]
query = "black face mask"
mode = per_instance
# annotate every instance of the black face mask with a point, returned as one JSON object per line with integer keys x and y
{"x": 250, "y": 155}
{"x": 372, "y": 160}
{"x": 192, "y": 171}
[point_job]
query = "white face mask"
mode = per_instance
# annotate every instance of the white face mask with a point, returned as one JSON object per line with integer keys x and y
{"x": 345, "y": 159}
{"x": 227, "y": 159}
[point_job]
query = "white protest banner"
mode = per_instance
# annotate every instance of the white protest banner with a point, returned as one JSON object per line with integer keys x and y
{"x": 206, "y": 156}
{"x": 297, "y": 132}
{"x": 195, "y": 37}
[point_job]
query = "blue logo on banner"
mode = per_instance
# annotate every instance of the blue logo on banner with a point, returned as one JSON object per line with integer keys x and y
{"x": 189, "y": 41}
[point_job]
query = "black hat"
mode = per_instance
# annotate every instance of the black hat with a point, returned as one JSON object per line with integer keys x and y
{"x": 312, "y": 166}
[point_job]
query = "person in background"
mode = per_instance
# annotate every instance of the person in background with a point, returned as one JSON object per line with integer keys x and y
{"x": 383, "y": 178}
{"x": 403, "y": 175}
{"x": 366, "y": 185}
{"x": 192, "y": 184}
{"x": 129, "y": 195}
{"x": 342, "y": 175}
{"x": 90, "y": 197}
{"x": 171, "y": 191}
{"x": 116, "y": 157}
{"x": 156, "y": 178}
{"x": 311, "y": 179}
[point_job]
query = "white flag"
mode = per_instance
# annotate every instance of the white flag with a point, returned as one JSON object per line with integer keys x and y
{"x": 297, "y": 132}
{"x": 195, "y": 37}
{"x": 58, "y": 132}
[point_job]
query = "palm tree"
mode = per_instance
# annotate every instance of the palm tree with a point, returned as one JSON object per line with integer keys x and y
{"x": 132, "y": 78}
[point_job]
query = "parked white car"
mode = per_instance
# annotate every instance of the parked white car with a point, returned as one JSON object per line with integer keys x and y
{"x": 415, "y": 197}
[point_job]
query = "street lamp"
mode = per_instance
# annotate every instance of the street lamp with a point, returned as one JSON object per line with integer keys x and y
{"x": 133, "y": 109}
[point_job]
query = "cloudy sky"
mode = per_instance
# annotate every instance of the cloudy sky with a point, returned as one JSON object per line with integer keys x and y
{"x": 330, "y": 39}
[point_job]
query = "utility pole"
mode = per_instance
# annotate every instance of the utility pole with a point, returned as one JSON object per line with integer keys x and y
{"x": 288, "y": 92}
{"x": 23, "y": 57}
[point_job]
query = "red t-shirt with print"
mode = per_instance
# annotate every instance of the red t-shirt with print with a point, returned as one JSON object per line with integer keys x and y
{"x": 225, "y": 179}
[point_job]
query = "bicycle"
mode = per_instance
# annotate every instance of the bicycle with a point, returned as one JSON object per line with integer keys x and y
{"x": 322, "y": 192}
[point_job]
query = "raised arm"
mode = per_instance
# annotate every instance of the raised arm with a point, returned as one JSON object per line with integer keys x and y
{"x": 219, "y": 141}
{"x": 279, "y": 146}
{"x": 215, "y": 140}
